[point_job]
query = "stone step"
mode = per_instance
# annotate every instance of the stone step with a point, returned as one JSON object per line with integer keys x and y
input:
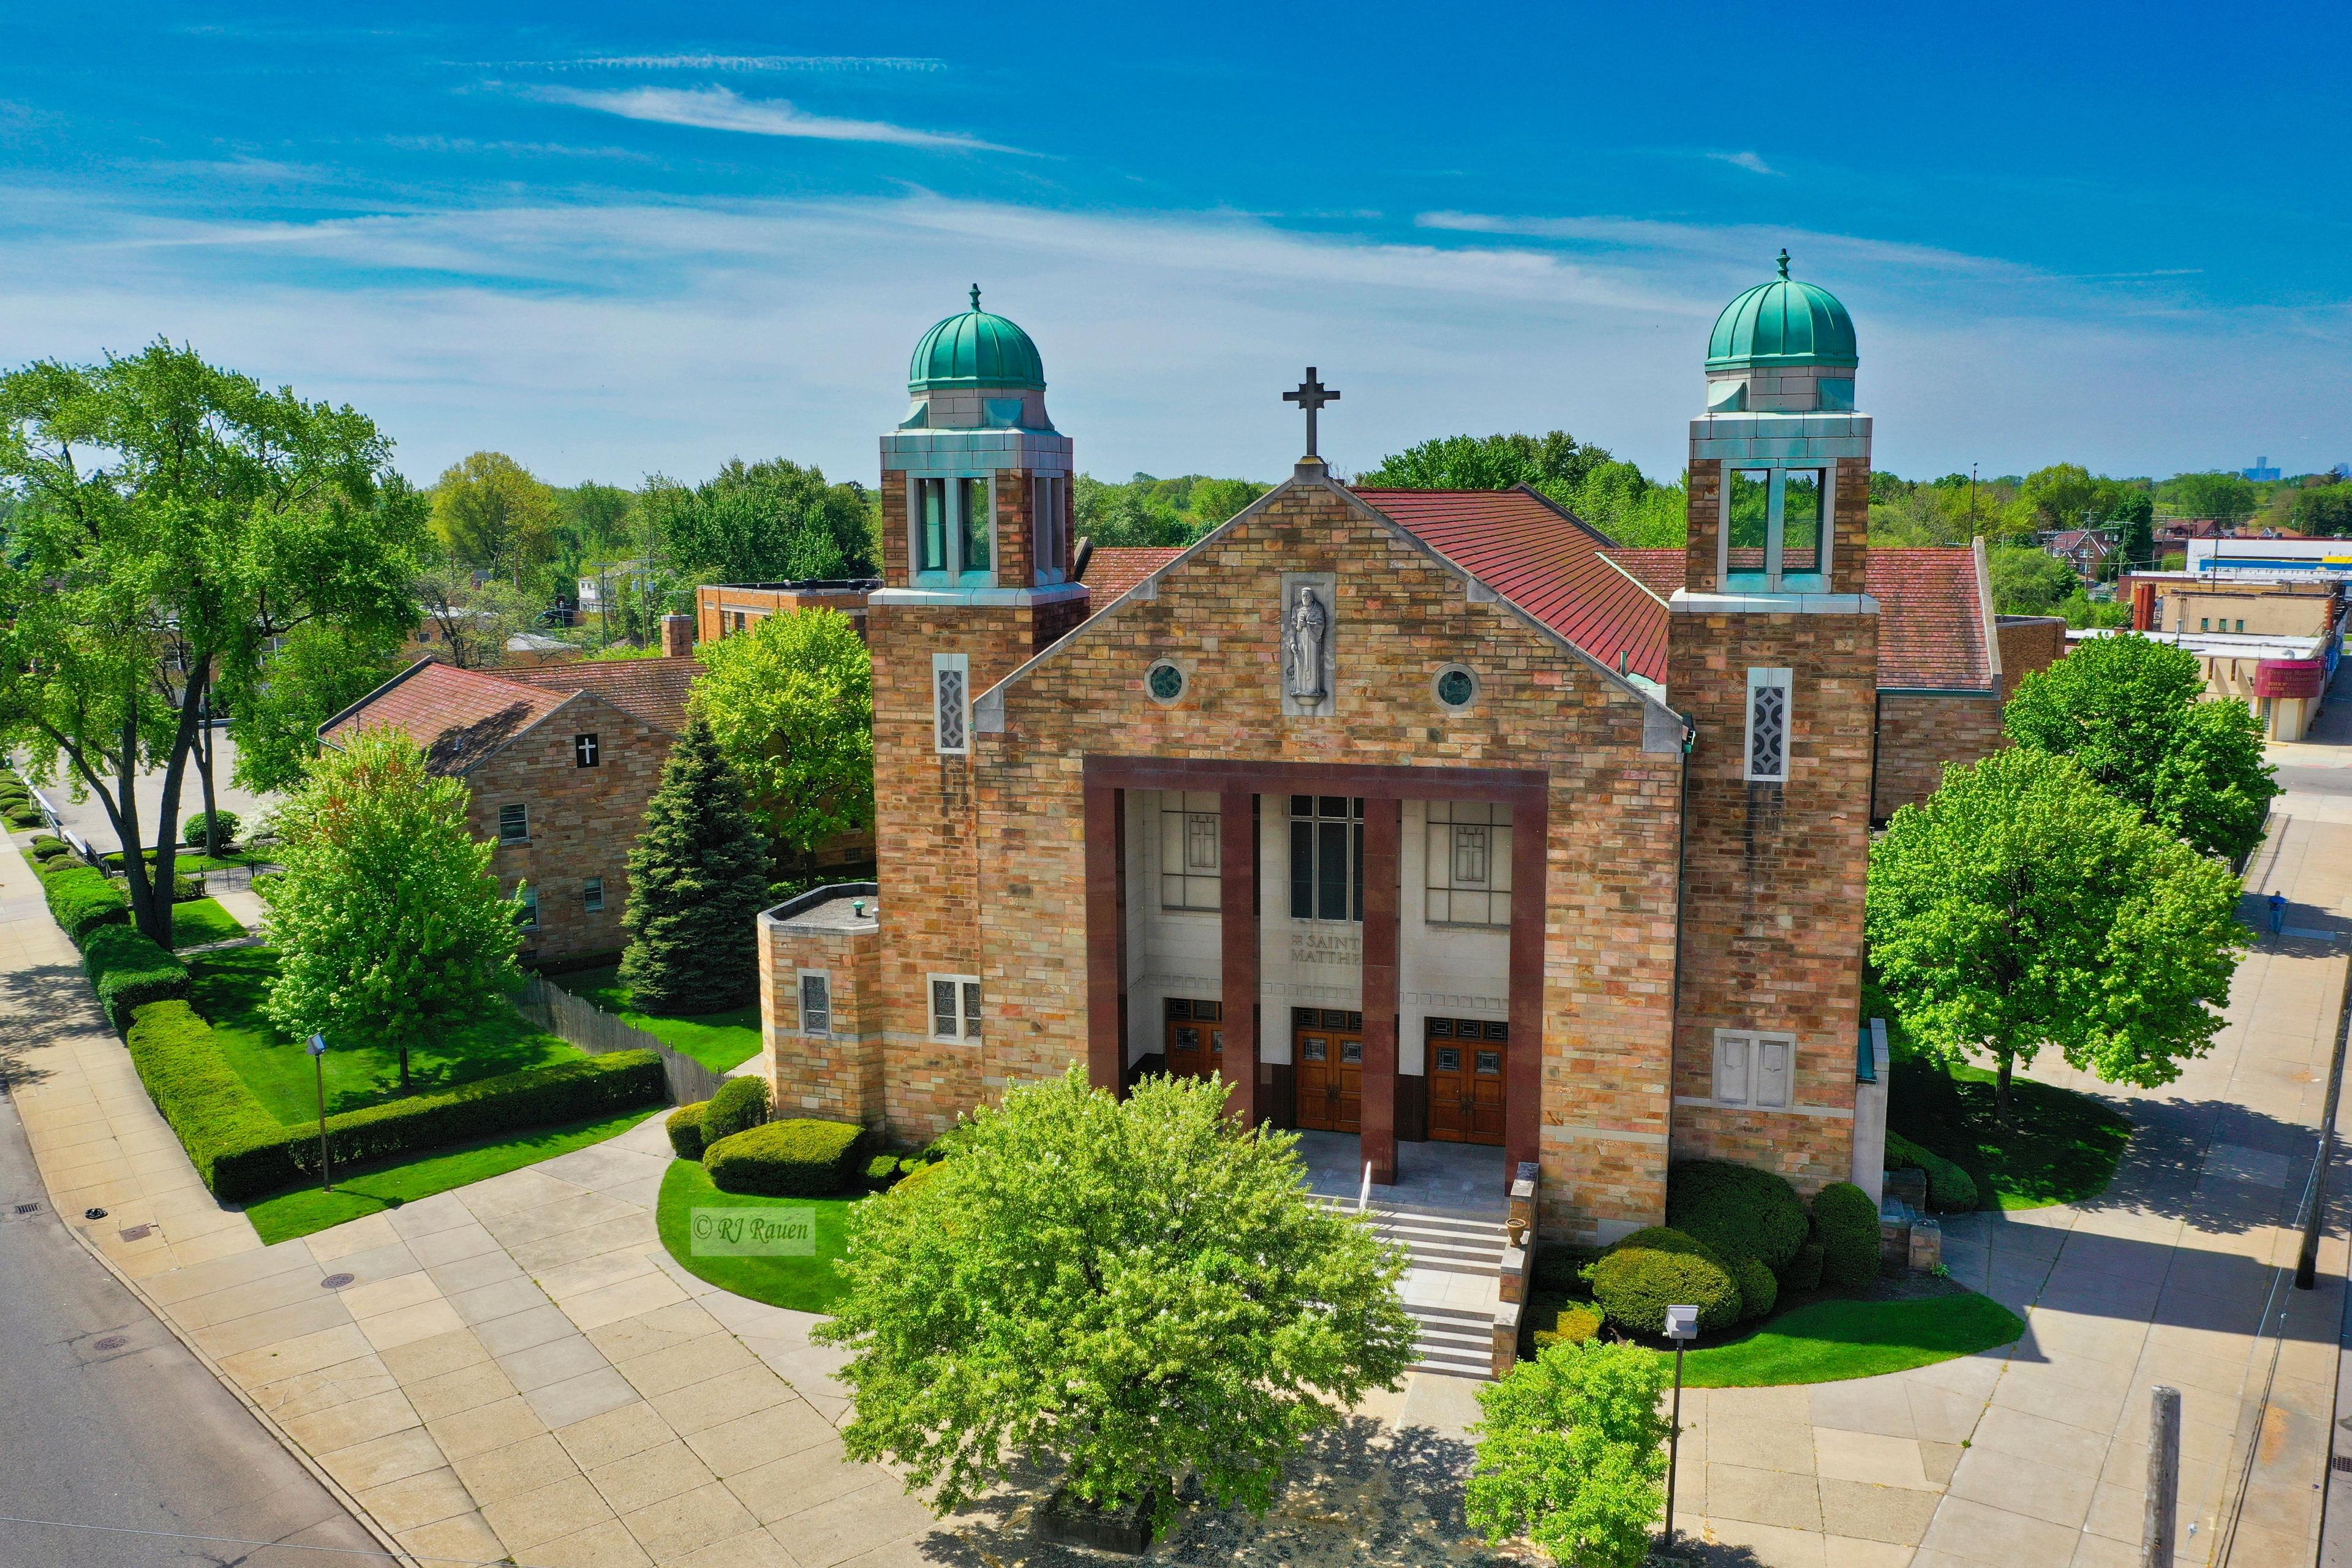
{"x": 1480, "y": 1367}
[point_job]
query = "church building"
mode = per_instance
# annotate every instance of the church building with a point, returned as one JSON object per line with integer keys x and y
{"x": 1419, "y": 816}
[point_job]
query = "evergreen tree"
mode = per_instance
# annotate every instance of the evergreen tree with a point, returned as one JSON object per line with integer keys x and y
{"x": 697, "y": 879}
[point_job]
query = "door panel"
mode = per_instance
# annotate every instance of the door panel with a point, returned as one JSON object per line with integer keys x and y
{"x": 1465, "y": 1061}
{"x": 1196, "y": 1036}
{"x": 1330, "y": 1081}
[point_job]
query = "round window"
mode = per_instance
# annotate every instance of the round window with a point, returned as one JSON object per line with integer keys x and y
{"x": 1457, "y": 687}
{"x": 1164, "y": 682}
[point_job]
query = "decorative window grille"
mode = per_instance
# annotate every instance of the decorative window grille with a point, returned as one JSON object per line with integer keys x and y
{"x": 1326, "y": 858}
{"x": 1754, "y": 1069}
{"x": 1468, "y": 876}
{"x": 583, "y": 750}
{"x": 951, "y": 700}
{"x": 592, "y": 895}
{"x": 816, "y": 1004}
{"x": 514, "y": 825}
{"x": 955, "y": 1006}
{"x": 1768, "y": 725}
{"x": 1189, "y": 827}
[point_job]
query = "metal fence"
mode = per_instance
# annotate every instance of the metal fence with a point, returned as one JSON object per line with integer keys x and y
{"x": 597, "y": 1032}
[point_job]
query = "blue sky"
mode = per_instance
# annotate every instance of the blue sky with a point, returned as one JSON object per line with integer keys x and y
{"x": 613, "y": 240}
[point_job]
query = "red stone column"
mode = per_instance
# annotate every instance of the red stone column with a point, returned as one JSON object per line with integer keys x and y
{"x": 1523, "y": 1066}
{"x": 1237, "y": 892}
{"x": 1106, "y": 938}
{"x": 1384, "y": 841}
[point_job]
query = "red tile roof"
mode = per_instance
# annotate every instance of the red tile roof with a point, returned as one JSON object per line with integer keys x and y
{"x": 1109, "y": 572}
{"x": 1661, "y": 570}
{"x": 1544, "y": 560}
{"x": 458, "y": 716}
{"x": 1931, "y": 621}
{"x": 651, "y": 689}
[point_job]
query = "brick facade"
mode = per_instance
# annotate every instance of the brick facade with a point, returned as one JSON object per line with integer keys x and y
{"x": 1919, "y": 734}
{"x": 836, "y": 1074}
{"x": 722, "y": 609}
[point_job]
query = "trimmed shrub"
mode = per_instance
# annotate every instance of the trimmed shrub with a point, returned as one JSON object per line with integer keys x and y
{"x": 741, "y": 1104}
{"x": 191, "y": 832}
{"x": 242, "y": 1151}
{"x": 1804, "y": 1271}
{"x": 81, "y": 900}
{"x": 1737, "y": 1209}
{"x": 1758, "y": 1290}
{"x": 882, "y": 1172}
{"x": 1560, "y": 1267}
{"x": 1951, "y": 1190}
{"x": 48, "y": 847}
{"x": 24, "y": 815}
{"x": 188, "y": 887}
{"x": 1573, "y": 1325}
{"x": 797, "y": 1159}
{"x": 1642, "y": 1274}
{"x": 128, "y": 972}
{"x": 685, "y": 1125}
{"x": 1845, "y": 1222}
{"x": 912, "y": 1182}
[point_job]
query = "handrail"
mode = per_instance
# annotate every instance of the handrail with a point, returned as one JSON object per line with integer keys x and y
{"x": 1364, "y": 1193}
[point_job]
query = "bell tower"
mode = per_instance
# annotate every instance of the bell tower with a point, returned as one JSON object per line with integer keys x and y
{"x": 1772, "y": 651}
{"x": 976, "y": 558}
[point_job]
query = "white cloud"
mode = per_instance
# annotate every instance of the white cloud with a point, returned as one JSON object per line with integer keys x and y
{"x": 793, "y": 63}
{"x": 1752, "y": 162}
{"x": 723, "y": 108}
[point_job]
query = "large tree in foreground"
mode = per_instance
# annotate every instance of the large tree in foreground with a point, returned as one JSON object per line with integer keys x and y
{"x": 2021, "y": 905}
{"x": 1124, "y": 1291}
{"x": 387, "y": 921}
{"x": 698, "y": 877}
{"x": 2132, "y": 711}
{"x": 173, "y": 518}
{"x": 1573, "y": 1454}
{"x": 792, "y": 705}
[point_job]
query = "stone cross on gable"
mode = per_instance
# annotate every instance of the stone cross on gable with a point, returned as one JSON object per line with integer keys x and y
{"x": 1311, "y": 394}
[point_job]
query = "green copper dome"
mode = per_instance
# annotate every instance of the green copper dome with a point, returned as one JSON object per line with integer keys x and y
{"x": 1781, "y": 324}
{"x": 975, "y": 348}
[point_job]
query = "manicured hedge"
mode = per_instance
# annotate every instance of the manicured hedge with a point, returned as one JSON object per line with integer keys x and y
{"x": 48, "y": 847}
{"x": 24, "y": 815}
{"x": 1737, "y": 1209}
{"x": 1845, "y": 1222}
{"x": 1804, "y": 1271}
{"x": 1759, "y": 1291}
{"x": 1573, "y": 1325}
{"x": 242, "y": 1151}
{"x": 191, "y": 832}
{"x": 128, "y": 972}
{"x": 798, "y": 1159}
{"x": 1951, "y": 1190}
{"x": 741, "y": 1103}
{"x": 882, "y": 1172}
{"x": 81, "y": 900}
{"x": 1642, "y": 1274}
{"x": 685, "y": 1125}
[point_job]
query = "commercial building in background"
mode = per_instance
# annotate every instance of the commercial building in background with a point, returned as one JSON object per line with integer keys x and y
{"x": 723, "y": 609}
{"x": 2283, "y": 680}
{"x": 2271, "y": 558}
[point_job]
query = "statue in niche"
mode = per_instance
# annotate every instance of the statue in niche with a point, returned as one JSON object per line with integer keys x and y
{"x": 1307, "y": 631}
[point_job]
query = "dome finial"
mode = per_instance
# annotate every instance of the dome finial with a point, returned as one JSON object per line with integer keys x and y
{"x": 975, "y": 288}
{"x": 1784, "y": 272}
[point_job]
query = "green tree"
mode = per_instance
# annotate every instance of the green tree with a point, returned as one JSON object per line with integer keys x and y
{"x": 2028, "y": 580}
{"x": 1129, "y": 1290}
{"x": 2022, "y": 905}
{"x": 468, "y": 623}
{"x": 2324, "y": 510}
{"x": 758, "y": 522}
{"x": 174, "y": 518}
{"x": 387, "y": 921}
{"x": 276, "y": 707}
{"x": 1487, "y": 463}
{"x": 698, "y": 878}
{"x": 2224, "y": 496}
{"x": 2132, "y": 711}
{"x": 791, "y": 703}
{"x": 490, "y": 511}
{"x": 1571, "y": 1454}
{"x": 2061, "y": 495}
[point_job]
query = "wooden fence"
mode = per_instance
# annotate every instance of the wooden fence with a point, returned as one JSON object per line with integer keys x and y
{"x": 597, "y": 1032}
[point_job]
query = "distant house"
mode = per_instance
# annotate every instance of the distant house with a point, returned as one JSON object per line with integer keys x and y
{"x": 561, "y": 761}
{"x": 723, "y": 609}
{"x": 2086, "y": 549}
{"x": 432, "y": 638}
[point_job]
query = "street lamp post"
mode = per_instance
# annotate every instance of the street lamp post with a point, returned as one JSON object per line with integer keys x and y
{"x": 1682, "y": 1326}
{"x": 327, "y": 1175}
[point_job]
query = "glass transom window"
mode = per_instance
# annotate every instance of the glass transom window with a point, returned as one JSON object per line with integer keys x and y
{"x": 1469, "y": 864}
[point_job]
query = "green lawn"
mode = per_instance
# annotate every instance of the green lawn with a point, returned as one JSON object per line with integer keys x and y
{"x": 2062, "y": 1148}
{"x": 298, "y": 1213}
{"x": 188, "y": 860}
{"x": 718, "y": 1040}
{"x": 201, "y": 920}
{"x": 230, "y": 986}
{"x": 1828, "y": 1339}
{"x": 805, "y": 1284}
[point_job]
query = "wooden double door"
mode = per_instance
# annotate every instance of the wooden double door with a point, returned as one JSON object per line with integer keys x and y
{"x": 1327, "y": 1044}
{"x": 1196, "y": 1036}
{"x": 1464, "y": 1061}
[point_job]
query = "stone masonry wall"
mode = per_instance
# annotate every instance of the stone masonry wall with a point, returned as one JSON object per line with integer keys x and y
{"x": 836, "y": 1077}
{"x": 1773, "y": 880}
{"x": 583, "y": 820}
{"x": 1849, "y": 551}
{"x": 2028, "y": 644}
{"x": 1615, "y": 809}
{"x": 1917, "y": 734}
{"x": 1704, "y": 510}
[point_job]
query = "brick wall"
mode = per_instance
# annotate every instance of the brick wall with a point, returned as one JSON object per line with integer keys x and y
{"x": 1849, "y": 548}
{"x": 1614, "y": 812}
{"x": 2027, "y": 642}
{"x": 714, "y": 605}
{"x": 837, "y": 1076}
{"x": 1773, "y": 878}
{"x": 582, "y": 821}
{"x": 1917, "y": 734}
{"x": 1705, "y": 513}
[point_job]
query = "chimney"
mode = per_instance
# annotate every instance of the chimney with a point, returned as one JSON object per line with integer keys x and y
{"x": 677, "y": 636}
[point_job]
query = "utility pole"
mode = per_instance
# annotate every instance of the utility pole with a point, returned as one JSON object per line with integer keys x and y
{"x": 2161, "y": 1517}
{"x": 1972, "y": 501}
